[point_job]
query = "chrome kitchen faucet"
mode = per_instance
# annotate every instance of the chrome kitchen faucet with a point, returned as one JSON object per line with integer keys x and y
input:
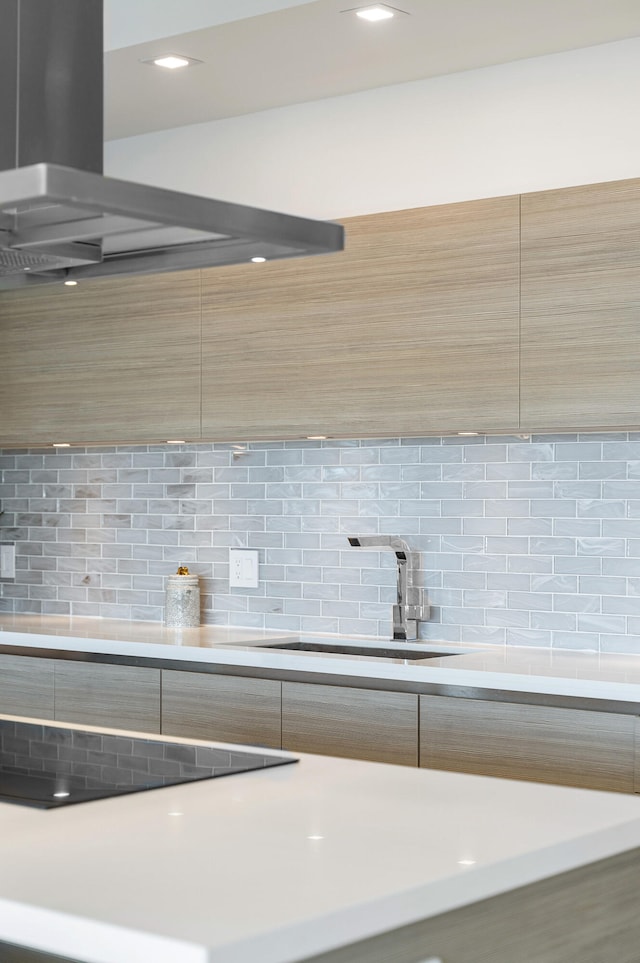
{"x": 411, "y": 606}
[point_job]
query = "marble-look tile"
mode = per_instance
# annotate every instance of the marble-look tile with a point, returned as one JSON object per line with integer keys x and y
{"x": 538, "y": 536}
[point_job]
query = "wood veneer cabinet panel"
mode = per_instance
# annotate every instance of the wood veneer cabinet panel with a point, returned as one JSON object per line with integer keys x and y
{"x": 580, "y": 358}
{"x": 26, "y": 686}
{"x": 572, "y": 747}
{"x": 588, "y": 915}
{"x": 119, "y": 696}
{"x": 115, "y": 360}
{"x": 221, "y": 707}
{"x": 413, "y": 328}
{"x": 353, "y": 723}
{"x": 636, "y": 773}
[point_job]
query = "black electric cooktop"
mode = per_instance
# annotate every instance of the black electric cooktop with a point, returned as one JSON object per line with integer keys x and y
{"x": 49, "y": 766}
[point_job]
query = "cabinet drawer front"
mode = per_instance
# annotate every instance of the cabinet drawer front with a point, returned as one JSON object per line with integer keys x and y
{"x": 26, "y": 686}
{"x": 121, "y": 697}
{"x": 221, "y": 707}
{"x": 356, "y": 723}
{"x": 573, "y": 747}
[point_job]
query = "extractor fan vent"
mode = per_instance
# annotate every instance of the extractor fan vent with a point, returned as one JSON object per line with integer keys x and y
{"x": 17, "y": 262}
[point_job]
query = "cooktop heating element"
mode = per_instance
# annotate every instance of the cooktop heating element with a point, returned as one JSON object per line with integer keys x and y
{"x": 50, "y": 766}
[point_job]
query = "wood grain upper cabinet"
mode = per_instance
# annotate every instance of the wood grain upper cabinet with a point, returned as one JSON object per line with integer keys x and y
{"x": 580, "y": 295}
{"x": 221, "y": 707}
{"x": 413, "y": 328}
{"x": 110, "y": 360}
{"x": 118, "y": 696}
{"x": 572, "y": 747}
{"x": 349, "y": 722}
{"x": 26, "y": 686}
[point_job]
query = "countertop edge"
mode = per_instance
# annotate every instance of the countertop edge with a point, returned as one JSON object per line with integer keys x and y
{"x": 247, "y": 655}
{"x": 65, "y": 934}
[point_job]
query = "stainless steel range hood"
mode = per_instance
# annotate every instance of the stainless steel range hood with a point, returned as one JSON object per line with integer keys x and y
{"x": 59, "y": 217}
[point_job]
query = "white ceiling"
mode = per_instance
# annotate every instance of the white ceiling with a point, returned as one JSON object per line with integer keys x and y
{"x": 128, "y": 22}
{"x": 260, "y": 54}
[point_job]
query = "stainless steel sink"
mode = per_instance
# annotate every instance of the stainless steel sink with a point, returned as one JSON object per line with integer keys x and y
{"x": 408, "y": 654}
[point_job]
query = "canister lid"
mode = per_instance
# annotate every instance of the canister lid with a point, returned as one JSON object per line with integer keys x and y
{"x": 183, "y": 579}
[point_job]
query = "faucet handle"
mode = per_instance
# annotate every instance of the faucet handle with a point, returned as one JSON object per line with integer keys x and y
{"x": 417, "y": 606}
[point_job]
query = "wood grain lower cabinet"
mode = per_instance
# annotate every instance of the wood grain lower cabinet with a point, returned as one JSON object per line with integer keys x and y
{"x": 353, "y": 723}
{"x": 586, "y": 915}
{"x": 572, "y": 747}
{"x": 636, "y": 773}
{"x": 26, "y": 686}
{"x": 221, "y": 707}
{"x": 117, "y": 696}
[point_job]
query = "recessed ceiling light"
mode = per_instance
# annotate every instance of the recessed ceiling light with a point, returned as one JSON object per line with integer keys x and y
{"x": 176, "y": 441}
{"x": 317, "y": 437}
{"x": 71, "y": 284}
{"x": 61, "y": 444}
{"x": 175, "y": 812}
{"x": 61, "y": 795}
{"x": 316, "y": 837}
{"x": 375, "y": 13}
{"x": 468, "y": 434}
{"x": 172, "y": 62}
{"x": 258, "y": 260}
{"x": 466, "y": 862}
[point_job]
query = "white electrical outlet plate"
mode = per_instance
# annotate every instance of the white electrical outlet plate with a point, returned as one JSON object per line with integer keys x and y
{"x": 7, "y": 561}
{"x": 243, "y": 568}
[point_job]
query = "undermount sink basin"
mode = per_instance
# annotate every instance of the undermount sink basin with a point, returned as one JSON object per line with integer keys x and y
{"x": 369, "y": 652}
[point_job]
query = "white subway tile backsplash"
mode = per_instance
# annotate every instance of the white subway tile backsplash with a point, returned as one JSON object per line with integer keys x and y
{"x": 528, "y": 542}
{"x": 508, "y": 545}
{"x": 602, "y": 624}
{"x": 579, "y": 527}
{"x": 462, "y": 615}
{"x": 507, "y": 618}
{"x": 554, "y": 621}
{"x": 577, "y": 603}
{"x": 621, "y": 566}
{"x": 463, "y": 543}
{"x": 533, "y": 637}
{"x": 529, "y": 526}
{"x": 554, "y": 469}
{"x": 554, "y": 583}
{"x": 621, "y": 451}
{"x": 621, "y": 605}
{"x": 481, "y": 562}
{"x": 604, "y": 469}
{"x": 533, "y": 601}
{"x": 578, "y": 451}
{"x": 484, "y": 526}
{"x": 484, "y": 453}
{"x": 584, "y": 641}
{"x": 466, "y": 472}
{"x": 619, "y": 643}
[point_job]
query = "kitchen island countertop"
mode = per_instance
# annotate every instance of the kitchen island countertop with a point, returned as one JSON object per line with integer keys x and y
{"x": 288, "y": 862}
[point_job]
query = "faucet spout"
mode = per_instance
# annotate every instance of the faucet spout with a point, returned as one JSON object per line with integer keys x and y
{"x": 408, "y": 609}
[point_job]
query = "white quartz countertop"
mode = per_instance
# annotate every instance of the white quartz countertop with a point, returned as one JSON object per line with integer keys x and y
{"x": 287, "y": 862}
{"x": 508, "y": 668}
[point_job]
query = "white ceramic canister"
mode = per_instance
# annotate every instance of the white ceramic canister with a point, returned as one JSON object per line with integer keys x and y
{"x": 182, "y": 602}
